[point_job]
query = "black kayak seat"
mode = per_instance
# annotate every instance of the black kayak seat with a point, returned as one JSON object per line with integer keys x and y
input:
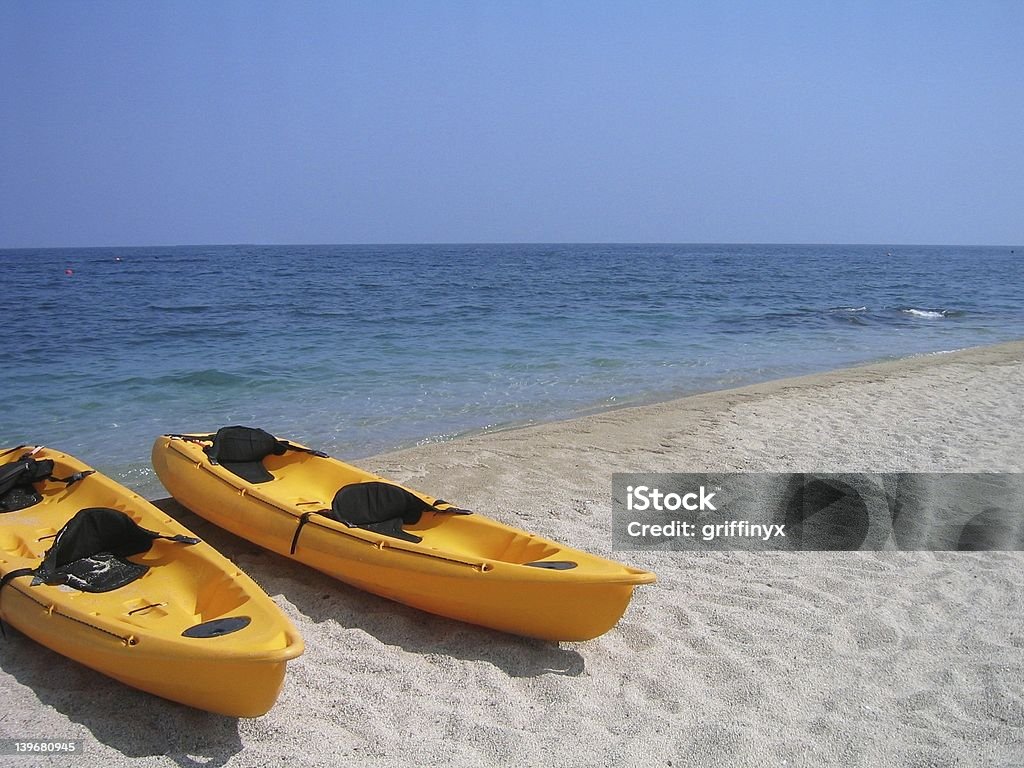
{"x": 89, "y": 552}
{"x": 241, "y": 450}
{"x": 17, "y": 482}
{"x": 380, "y": 507}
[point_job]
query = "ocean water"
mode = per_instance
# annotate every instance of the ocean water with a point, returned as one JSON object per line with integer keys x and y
{"x": 359, "y": 349}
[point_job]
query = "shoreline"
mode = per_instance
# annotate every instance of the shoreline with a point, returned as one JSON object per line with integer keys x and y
{"x": 632, "y": 424}
{"x": 676, "y": 394}
{"x": 680, "y": 393}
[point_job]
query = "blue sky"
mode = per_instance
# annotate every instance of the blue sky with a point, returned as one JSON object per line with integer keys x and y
{"x": 382, "y": 122}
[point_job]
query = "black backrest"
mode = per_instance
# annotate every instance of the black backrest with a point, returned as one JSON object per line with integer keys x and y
{"x": 241, "y": 450}
{"x": 234, "y": 444}
{"x": 97, "y": 529}
{"x": 380, "y": 507}
{"x": 17, "y": 479}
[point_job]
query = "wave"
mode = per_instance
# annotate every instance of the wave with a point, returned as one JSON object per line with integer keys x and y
{"x": 210, "y": 377}
{"x": 913, "y": 311}
{"x": 845, "y": 315}
{"x": 931, "y": 314}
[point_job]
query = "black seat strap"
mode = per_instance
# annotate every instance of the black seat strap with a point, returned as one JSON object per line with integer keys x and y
{"x": 300, "y": 449}
{"x": 11, "y": 575}
{"x": 71, "y": 480}
{"x": 452, "y": 509}
{"x": 190, "y": 438}
{"x": 179, "y": 538}
{"x": 303, "y": 519}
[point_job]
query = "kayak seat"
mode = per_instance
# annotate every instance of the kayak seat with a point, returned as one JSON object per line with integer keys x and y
{"x": 380, "y": 507}
{"x": 89, "y": 552}
{"x": 17, "y": 483}
{"x": 241, "y": 450}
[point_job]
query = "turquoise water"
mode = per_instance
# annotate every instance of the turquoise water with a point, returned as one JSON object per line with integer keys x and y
{"x": 358, "y": 349}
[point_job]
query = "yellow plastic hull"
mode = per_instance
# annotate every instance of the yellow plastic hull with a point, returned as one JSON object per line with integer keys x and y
{"x": 134, "y": 633}
{"x": 467, "y": 567}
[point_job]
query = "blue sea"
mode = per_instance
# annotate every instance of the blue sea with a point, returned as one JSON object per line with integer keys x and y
{"x": 360, "y": 349}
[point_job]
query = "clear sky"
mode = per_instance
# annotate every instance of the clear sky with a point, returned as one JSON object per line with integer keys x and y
{"x": 137, "y": 123}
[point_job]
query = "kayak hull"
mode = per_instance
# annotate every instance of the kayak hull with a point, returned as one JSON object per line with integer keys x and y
{"x": 134, "y": 633}
{"x": 468, "y": 567}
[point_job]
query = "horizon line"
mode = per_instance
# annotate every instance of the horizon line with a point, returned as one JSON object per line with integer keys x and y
{"x": 500, "y": 243}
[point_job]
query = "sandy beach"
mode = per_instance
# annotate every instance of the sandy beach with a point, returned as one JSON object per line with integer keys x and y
{"x": 731, "y": 659}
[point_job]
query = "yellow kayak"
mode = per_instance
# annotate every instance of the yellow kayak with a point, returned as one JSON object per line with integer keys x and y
{"x": 392, "y": 541}
{"x": 98, "y": 574}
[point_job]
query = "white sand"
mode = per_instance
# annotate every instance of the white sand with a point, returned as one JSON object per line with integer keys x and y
{"x": 907, "y": 659}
